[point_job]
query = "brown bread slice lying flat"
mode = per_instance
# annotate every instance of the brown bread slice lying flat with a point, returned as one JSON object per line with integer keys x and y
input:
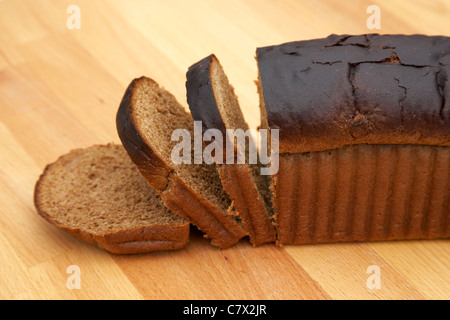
{"x": 212, "y": 100}
{"x": 98, "y": 195}
{"x": 146, "y": 118}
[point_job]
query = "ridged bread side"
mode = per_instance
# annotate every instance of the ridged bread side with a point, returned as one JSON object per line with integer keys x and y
{"x": 363, "y": 193}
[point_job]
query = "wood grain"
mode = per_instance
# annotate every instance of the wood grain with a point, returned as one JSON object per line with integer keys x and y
{"x": 60, "y": 89}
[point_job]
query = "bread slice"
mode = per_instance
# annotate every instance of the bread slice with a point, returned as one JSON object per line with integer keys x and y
{"x": 146, "y": 119}
{"x": 97, "y": 195}
{"x": 212, "y": 100}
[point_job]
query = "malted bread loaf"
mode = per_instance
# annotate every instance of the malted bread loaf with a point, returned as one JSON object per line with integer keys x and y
{"x": 363, "y": 153}
{"x": 364, "y": 127}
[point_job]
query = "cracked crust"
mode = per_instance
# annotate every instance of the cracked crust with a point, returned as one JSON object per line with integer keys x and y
{"x": 344, "y": 90}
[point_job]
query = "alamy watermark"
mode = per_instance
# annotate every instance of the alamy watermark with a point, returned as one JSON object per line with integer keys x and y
{"x": 74, "y": 280}
{"x": 374, "y": 20}
{"x": 74, "y": 20}
{"x": 374, "y": 280}
{"x": 238, "y": 146}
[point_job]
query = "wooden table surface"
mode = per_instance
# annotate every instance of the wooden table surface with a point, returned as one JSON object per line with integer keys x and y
{"x": 60, "y": 89}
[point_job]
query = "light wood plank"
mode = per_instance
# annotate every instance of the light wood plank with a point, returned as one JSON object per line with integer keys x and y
{"x": 341, "y": 269}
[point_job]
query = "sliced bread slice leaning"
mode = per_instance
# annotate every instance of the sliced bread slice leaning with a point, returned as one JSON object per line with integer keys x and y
{"x": 97, "y": 194}
{"x": 212, "y": 100}
{"x": 146, "y": 119}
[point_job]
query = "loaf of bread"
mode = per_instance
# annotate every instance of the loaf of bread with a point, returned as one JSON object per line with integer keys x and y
{"x": 364, "y": 127}
{"x": 212, "y": 101}
{"x": 364, "y": 153}
{"x": 146, "y": 119}
{"x": 97, "y": 195}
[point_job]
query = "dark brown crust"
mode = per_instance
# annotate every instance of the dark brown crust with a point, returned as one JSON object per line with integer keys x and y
{"x": 172, "y": 190}
{"x": 152, "y": 167}
{"x": 145, "y": 239}
{"x": 363, "y": 193}
{"x": 343, "y": 90}
{"x": 223, "y": 231}
{"x": 236, "y": 179}
{"x": 200, "y": 96}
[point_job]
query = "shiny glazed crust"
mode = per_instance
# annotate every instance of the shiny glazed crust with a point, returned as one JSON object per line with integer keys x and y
{"x": 343, "y": 90}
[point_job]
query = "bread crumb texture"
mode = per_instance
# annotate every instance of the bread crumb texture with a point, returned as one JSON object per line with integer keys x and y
{"x": 100, "y": 191}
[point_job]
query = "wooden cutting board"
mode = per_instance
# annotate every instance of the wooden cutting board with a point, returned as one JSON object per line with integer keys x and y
{"x": 60, "y": 87}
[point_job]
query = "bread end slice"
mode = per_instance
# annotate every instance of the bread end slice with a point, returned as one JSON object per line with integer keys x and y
{"x": 97, "y": 195}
